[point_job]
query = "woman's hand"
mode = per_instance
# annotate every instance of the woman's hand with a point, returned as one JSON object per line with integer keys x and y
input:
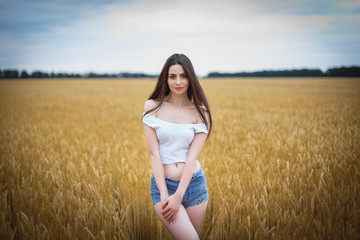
{"x": 164, "y": 196}
{"x": 171, "y": 207}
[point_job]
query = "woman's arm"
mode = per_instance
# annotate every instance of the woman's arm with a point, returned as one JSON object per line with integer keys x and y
{"x": 192, "y": 156}
{"x": 156, "y": 164}
{"x": 174, "y": 201}
{"x": 152, "y": 144}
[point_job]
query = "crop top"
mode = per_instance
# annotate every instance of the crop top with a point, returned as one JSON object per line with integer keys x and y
{"x": 174, "y": 138}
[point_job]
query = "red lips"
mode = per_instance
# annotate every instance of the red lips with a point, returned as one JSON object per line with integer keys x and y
{"x": 179, "y": 88}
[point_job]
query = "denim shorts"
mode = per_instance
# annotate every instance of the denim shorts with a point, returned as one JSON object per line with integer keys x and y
{"x": 196, "y": 193}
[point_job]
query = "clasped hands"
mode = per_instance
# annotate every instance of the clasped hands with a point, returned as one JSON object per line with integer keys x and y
{"x": 170, "y": 206}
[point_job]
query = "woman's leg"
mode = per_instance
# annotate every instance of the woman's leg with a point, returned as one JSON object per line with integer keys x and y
{"x": 182, "y": 228}
{"x": 197, "y": 215}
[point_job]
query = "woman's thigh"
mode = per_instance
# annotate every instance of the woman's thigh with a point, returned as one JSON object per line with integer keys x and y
{"x": 182, "y": 228}
{"x": 197, "y": 215}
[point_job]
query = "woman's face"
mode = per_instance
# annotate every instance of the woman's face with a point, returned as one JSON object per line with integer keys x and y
{"x": 177, "y": 80}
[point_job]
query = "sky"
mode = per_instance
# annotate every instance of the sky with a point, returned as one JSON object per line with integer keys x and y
{"x": 112, "y": 36}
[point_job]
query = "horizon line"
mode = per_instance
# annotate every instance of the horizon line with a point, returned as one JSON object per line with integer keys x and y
{"x": 147, "y": 73}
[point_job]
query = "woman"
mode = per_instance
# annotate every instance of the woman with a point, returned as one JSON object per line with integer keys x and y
{"x": 177, "y": 121}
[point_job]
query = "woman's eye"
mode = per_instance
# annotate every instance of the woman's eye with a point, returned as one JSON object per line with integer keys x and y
{"x": 184, "y": 76}
{"x": 172, "y": 77}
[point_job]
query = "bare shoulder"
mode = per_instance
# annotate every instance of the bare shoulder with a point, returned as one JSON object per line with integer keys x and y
{"x": 207, "y": 115}
{"x": 150, "y": 104}
{"x": 204, "y": 108}
{"x": 206, "y": 112}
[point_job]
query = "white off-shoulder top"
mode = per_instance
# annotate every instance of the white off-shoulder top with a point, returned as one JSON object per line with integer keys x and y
{"x": 174, "y": 138}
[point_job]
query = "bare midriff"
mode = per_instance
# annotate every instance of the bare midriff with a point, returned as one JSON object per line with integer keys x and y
{"x": 175, "y": 170}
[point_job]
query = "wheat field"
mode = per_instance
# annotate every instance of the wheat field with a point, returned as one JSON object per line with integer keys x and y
{"x": 282, "y": 161}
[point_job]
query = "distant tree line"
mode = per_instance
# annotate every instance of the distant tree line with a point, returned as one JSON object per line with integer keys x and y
{"x": 353, "y": 71}
{"x": 14, "y": 73}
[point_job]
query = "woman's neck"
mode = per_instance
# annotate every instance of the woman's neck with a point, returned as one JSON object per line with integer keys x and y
{"x": 177, "y": 100}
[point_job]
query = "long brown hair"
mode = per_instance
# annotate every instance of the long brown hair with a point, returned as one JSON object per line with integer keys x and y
{"x": 195, "y": 92}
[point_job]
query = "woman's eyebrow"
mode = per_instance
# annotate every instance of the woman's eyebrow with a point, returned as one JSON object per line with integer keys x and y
{"x": 175, "y": 74}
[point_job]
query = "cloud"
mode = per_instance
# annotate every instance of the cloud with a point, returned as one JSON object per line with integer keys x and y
{"x": 217, "y": 36}
{"x": 310, "y": 7}
{"x": 21, "y": 17}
